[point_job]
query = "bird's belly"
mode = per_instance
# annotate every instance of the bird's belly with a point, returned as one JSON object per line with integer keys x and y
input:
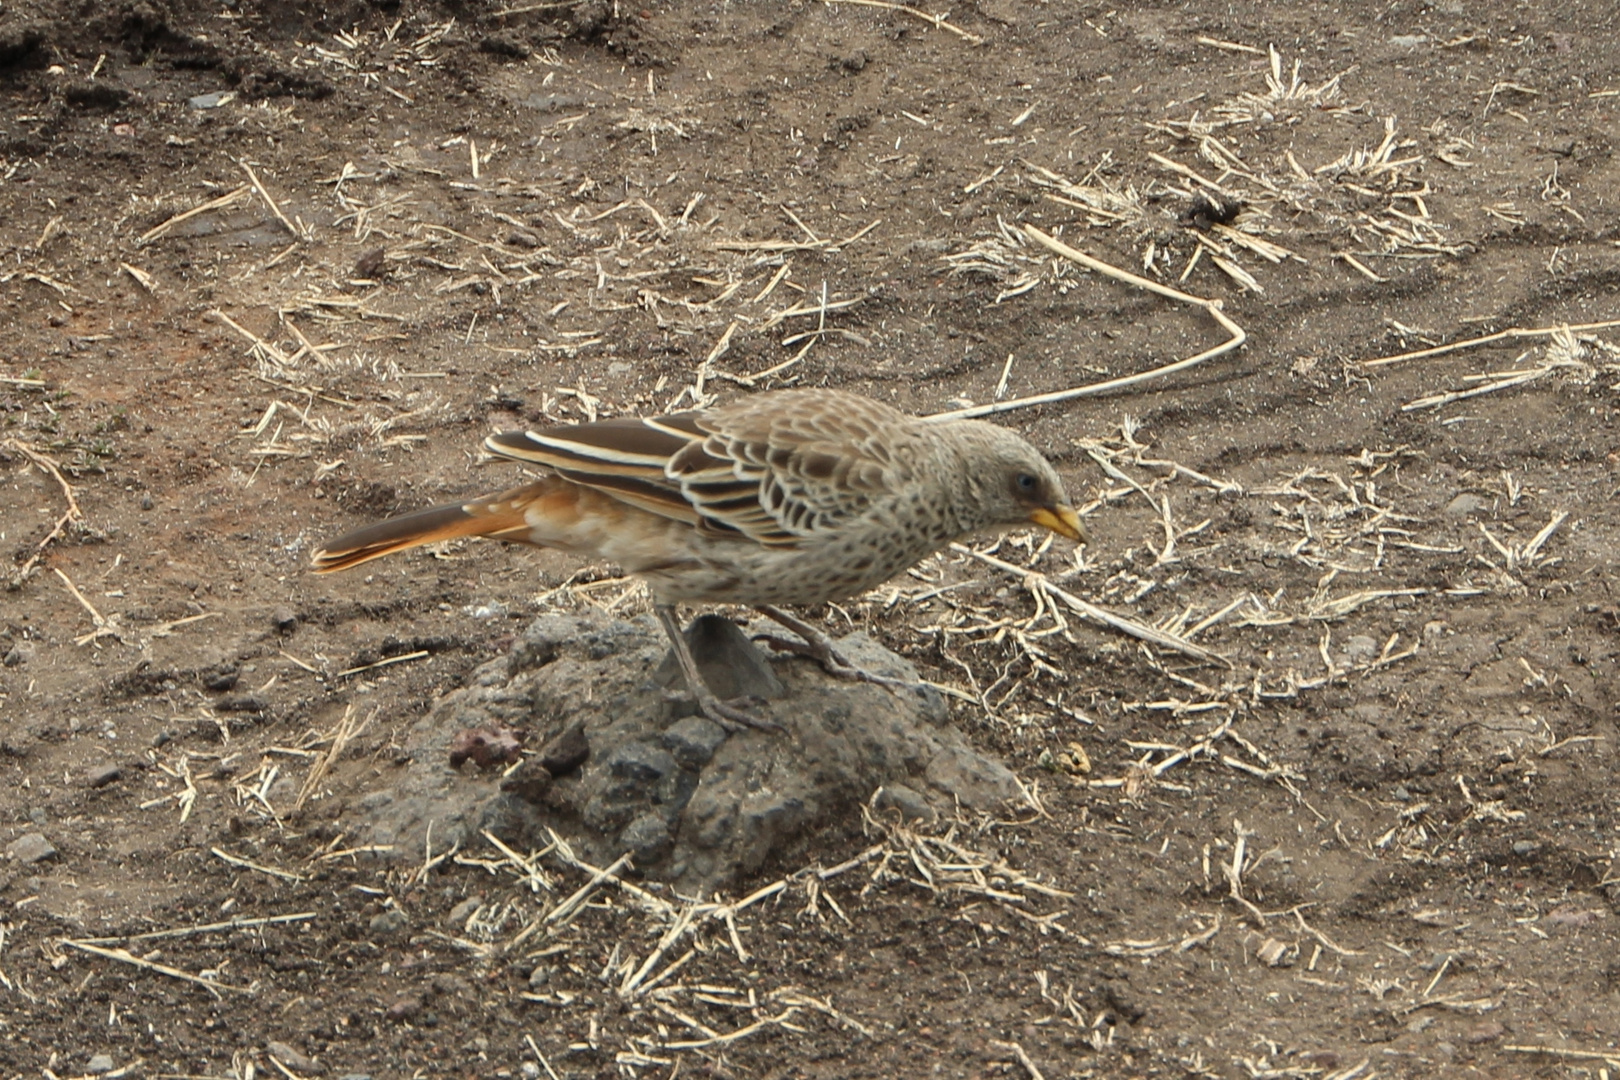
{"x": 742, "y": 572}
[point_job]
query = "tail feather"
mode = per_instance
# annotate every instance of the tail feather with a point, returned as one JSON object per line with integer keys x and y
{"x": 497, "y": 516}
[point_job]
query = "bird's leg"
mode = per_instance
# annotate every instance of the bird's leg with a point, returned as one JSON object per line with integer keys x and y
{"x": 726, "y": 715}
{"x": 820, "y": 648}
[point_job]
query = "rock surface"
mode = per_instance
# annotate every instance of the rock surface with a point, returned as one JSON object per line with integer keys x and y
{"x": 615, "y": 765}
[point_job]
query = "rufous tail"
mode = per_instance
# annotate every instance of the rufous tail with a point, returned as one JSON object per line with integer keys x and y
{"x": 500, "y": 517}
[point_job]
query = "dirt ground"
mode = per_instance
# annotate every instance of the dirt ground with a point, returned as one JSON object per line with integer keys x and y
{"x": 1381, "y": 842}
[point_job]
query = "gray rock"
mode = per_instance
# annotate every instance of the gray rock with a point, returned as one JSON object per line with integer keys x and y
{"x": 1360, "y": 648}
{"x": 388, "y": 922}
{"x": 293, "y": 1058}
{"x": 459, "y": 914}
{"x": 31, "y": 848}
{"x": 976, "y": 781}
{"x": 1465, "y": 505}
{"x": 102, "y": 775}
{"x": 908, "y": 801}
{"x": 692, "y": 805}
{"x": 100, "y": 1063}
{"x": 693, "y": 741}
{"x": 38, "y": 816}
{"x": 18, "y": 655}
{"x": 647, "y": 839}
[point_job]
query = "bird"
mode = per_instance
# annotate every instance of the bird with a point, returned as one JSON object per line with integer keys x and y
{"x": 790, "y": 497}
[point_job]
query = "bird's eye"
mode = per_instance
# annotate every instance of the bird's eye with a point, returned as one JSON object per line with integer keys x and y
{"x": 1026, "y": 483}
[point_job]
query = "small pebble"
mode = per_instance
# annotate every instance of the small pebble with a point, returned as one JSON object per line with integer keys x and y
{"x": 102, "y": 775}
{"x": 388, "y": 922}
{"x": 1524, "y": 848}
{"x": 404, "y": 1008}
{"x": 539, "y": 977}
{"x": 31, "y": 848}
{"x": 1465, "y": 504}
{"x": 292, "y": 1058}
{"x": 1360, "y": 647}
{"x": 19, "y": 654}
{"x": 284, "y": 619}
{"x": 146, "y": 502}
{"x": 220, "y": 677}
{"x": 459, "y": 914}
{"x": 529, "y": 1071}
{"x": 101, "y": 1063}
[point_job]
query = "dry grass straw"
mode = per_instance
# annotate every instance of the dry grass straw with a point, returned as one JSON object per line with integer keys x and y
{"x": 1100, "y": 616}
{"x": 228, "y": 199}
{"x": 73, "y": 515}
{"x": 1212, "y": 307}
{"x": 123, "y": 956}
{"x": 1510, "y": 334}
{"x": 1566, "y": 352}
{"x": 338, "y": 740}
{"x": 655, "y": 982}
{"x": 933, "y": 20}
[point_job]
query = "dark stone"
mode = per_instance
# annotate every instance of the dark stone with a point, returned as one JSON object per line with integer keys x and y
{"x": 907, "y": 801}
{"x": 97, "y": 95}
{"x": 641, "y": 763}
{"x": 285, "y": 620}
{"x": 19, "y": 654}
{"x": 692, "y": 740}
{"x": 694, "y": 807}
{"x": 567, "y": 752}
{"x": 102, "y": 775}
{"x": 505, "y": 47}
{"x": 529, "y": 782}
{"x": 220, "y": 677}
{"x": 647, "y": 839}
{"x": 369, "y": 267}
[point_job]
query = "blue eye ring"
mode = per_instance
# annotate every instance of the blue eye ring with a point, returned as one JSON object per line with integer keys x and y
{"x": 1027, "y": 483}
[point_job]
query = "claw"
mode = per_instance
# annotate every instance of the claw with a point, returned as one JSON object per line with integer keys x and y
{"x": 820, "y": 648}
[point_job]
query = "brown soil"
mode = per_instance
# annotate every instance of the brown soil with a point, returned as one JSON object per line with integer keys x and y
{"x": 1426, "y": 839}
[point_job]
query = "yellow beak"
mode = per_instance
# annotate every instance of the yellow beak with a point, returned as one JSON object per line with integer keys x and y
{"x": 1060, "y": 519}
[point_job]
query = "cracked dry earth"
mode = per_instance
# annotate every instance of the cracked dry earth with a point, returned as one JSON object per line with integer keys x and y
{"x": 1381, "y": 842}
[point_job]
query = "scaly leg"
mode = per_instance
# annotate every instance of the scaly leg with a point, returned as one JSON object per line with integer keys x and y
{"x": 820, "y": 648}
{"x": 726, "y": 715}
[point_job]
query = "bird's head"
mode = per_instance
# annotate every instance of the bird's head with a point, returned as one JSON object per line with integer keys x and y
{"x": 1011, "y": 483}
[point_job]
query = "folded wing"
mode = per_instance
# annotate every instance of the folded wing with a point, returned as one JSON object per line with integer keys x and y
{"x": 778, "y": 469}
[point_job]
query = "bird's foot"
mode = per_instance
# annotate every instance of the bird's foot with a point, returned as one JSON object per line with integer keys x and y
{"x": 821, "y": 648}
{"x": 733, "y": 715}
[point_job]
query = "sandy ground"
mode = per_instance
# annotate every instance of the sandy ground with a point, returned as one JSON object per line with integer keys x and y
{"x": 270, "y": 272}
